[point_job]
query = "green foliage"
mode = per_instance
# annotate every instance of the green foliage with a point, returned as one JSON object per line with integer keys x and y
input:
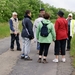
{"x": 9, "y": 6}
{"x": 4, "y": 30}
{"x": 53, "y": 20}
{"x": 73, "y": 47}
{"x": 72, "y": 52}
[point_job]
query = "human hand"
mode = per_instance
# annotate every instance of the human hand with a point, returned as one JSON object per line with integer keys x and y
{"x": 34, "y": 40}
{"x": 15, "y": 33}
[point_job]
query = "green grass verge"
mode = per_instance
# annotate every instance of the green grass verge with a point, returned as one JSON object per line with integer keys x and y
{"x": 72, "y": 52}
{"x": 20, "y": 25}
{"x": 5, "y": 30}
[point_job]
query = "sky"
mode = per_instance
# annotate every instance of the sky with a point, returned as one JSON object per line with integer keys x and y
{"x": 67, "y": 4}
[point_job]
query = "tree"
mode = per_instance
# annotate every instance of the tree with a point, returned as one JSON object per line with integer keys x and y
{"x": 19, "y": 6}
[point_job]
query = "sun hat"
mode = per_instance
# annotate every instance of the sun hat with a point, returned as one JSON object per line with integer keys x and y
{"x": 70, "y": 14}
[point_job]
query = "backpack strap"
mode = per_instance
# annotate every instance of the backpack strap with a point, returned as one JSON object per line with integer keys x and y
{"x": 43, "y": 23}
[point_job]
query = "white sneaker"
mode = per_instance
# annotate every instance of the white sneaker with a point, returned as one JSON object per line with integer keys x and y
{"x": 55, "y": 60}
{"x": 63, "y": 60}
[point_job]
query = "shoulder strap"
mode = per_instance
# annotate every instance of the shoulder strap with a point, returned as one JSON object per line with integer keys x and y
{"x": 25, "y": 27}
{"x": 24, "y": 24}
{"x": 43, "y": 23}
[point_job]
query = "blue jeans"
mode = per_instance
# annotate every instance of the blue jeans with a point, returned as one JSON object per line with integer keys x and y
{"x": 38, "y": 46}
{"x": 26, "y": 46}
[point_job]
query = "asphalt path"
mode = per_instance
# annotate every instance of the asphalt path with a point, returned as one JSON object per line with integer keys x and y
{"x": 11, "y": 64}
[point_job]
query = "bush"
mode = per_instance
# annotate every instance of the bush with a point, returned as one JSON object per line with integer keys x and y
{"x": 72, "y": 52}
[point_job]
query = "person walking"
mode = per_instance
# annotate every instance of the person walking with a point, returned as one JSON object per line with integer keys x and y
{"x": 14, "y": 31}
{"x": 45, "y": 35}
{"x": 27, "y": 35}
{"x": 71, "y": 30}
{"x": 61, "y": 29}
{"x": 36, "y": 23}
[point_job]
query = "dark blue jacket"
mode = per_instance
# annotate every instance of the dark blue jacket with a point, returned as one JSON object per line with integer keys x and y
{"x": 29, "y": 26}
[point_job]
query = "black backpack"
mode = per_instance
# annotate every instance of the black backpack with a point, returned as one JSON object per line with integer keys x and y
{"x": 44, "y": 30}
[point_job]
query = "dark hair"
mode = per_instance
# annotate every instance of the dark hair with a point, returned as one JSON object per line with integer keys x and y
{"x": 40, "y": 15}
{"x": 46, "y": 16}
{"x": 27, "y": 12}
{"x": 42, "y": 9}
{"x": 60, "y": 13}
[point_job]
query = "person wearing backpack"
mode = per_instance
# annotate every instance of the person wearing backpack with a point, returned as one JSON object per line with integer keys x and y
{"x": 27, "y": 35}
{"x": 45, "y": 35}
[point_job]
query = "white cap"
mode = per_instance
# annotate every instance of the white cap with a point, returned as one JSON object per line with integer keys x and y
{"x": 14, "y": 13}
{"x": 70, "y": 14}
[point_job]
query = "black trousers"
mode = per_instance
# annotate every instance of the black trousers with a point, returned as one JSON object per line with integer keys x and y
{"x": 69, "y": 42}
{"x": 60, "y": 45}
{"x": 13, "y": 38}
{"x": 44, "y": 49}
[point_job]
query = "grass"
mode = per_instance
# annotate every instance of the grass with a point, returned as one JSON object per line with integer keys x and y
{"x": 72, "y": 52}
{"x": 5, "y": 30}
{"x": 20, "y": 25}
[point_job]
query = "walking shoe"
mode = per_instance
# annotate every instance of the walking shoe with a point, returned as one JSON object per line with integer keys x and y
{"x": 45, "y": 61}
{"x": 63, "y": 60}
{"x": 39, "y": 60}
{"x": 22, "y": 56}
{"x": 68, "y": 50}
{"x": 27, "y": 58}
{"x": 55, "y": 60}
{"x": 19, "y": 49}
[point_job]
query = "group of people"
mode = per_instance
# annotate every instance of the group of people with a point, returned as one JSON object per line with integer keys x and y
{"x": 43, "y": 32}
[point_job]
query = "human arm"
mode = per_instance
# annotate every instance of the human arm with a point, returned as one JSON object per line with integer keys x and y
{"x": 67, "y": 28}
{"x": 29, "y": 26}
{"x": 53, "y": 32}
{"x": 38, "y": 31}
{"x": 56, "y": 26}
{"x": 11, "y": 26}
{"x": 34, "y": 30}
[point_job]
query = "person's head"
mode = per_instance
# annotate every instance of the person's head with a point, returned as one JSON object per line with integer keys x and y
{"x": 60, "y": 13}
{"x": 14, "y": 15}
{"x": 42, "y": 11}
{"x": 46, "y": 16}
{"x": 28, "y": 13}
{"x": 70, "y": 16}
{"x": 40, "y": 15}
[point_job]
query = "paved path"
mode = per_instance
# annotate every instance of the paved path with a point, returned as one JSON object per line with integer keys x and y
{"x": 4, "y": 45}
{"x": 11, "y": 64}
